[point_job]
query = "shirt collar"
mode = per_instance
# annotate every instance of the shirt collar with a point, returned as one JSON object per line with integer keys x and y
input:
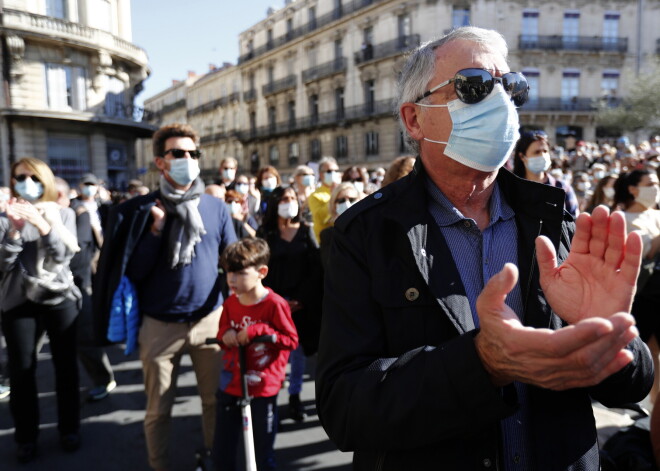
{"x": 445, "y": 214}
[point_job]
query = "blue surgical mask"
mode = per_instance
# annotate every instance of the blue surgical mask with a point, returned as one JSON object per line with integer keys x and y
{"x": 89, "y": 191}
{"x": 538, "y": 164}
{"x": 483, "y": 134}
{"x": 308, "y": 180}
{"x": 184, "y": 171}
{"x": 332, "y": 178}
{"x": 29, "y": 190}
{"x": 228, "y": 173}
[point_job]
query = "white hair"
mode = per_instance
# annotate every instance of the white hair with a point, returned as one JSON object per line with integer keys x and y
{"x": 419, "y": 68}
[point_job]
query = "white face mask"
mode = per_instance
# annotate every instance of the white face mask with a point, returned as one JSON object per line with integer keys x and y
{"x": 582, "y": 186}
{"x": 359, "y": 186}
{"x": 228, "y": 173}
{"x": 308, "y": 180}
{"x": 538, "y": 164}
{"x": 332, "y": 178}
{"x": 608, "y": 192}
{"x": 287, "y": 210}
{"x": 235, "y": 208}
{"x": 648, "y": 196}
{"x": 269, "y": 183}
{"x": 341, "y": 207}
{"x": 242, "y": 188}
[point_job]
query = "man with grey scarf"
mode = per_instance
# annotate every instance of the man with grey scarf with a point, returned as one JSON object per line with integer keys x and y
{"x": 174, "y": 266}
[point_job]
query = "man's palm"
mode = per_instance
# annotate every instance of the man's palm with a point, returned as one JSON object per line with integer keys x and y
{"x": 598, "y": 277}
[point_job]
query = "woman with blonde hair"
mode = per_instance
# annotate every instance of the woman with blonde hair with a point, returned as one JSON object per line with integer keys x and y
{"x": 37, "y": 294}
{"x": 342, "y": 197}
{"x": 399, "y": 168}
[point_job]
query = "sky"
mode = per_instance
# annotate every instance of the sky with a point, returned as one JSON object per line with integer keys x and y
{"x": 183, "y": 35}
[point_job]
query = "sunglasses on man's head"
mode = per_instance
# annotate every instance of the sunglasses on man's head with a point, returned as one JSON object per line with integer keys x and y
{"x": 473, "y": 85}
{"x": 22, "y": 177}
{"x": 180, "y": 153}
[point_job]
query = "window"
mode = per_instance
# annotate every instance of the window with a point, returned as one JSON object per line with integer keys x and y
{"x": 369, "y": 96}
{"x": 274, "y": 156}
{"x": 532, "y": 76}
{"x": 292, "y": 114}
{"x": 611, "y": 30}
{"x": 336, "y": 13}
{"x": 570, "y": 88}
{"x": 314, "y": 109}
{"x": 315, "y": 150}
{"x": 339, "y": 49}
{"x": 609, "y": 85}
{"x": 530, "y": 28}
{"x": 341, "y": 147}
{"x": 311, "y": 18}
{"x": 66, "y": 87}
{"x": 56, "y": 8}
{"x": 371, "y": 143}
{"x": 114, "y": 98}
{"x": 571, "y": 28}
{"x": 253, "y": 124}
{"x": 293, "y": 153}
{"x": 272, "y": 117}
{"x": 289, "y": 28}
{"x": 339, "y": 104}
{"x": 269, "y": 39}
{"x": 312, "y": 56}
{"x": 271, "y": 75}
{"x": 404, "y": 30}
{"x": 460, "y": 16}
{"x": 68, "y": 156}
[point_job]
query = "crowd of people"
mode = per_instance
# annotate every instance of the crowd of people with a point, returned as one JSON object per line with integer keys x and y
{"x": 415, "y": 335}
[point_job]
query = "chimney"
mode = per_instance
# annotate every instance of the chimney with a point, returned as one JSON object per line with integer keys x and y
{"x": 212, "y": 67}
{"x": 191, "y": 74}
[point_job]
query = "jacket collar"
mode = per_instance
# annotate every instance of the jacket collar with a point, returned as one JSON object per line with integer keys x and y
{"x": 539, "y": 211}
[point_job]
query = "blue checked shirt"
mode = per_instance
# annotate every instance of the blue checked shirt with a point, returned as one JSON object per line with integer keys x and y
{"x": 478, "y": 256}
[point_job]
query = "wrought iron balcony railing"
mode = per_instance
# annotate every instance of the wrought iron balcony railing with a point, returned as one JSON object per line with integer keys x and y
{"x": 386, "y": 49}
{"x": 568, "y": 104}
{"x": 573, "y": 43}
{"x": 324, "y": 70}
{"x": 279, "y": 85}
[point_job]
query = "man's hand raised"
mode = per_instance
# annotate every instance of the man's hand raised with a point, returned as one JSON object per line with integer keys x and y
{"x": 598, "y": 278}
{"x": 579, "y": 355}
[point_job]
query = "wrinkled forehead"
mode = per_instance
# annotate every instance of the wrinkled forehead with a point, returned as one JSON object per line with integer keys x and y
{"x": 462, "y": 54}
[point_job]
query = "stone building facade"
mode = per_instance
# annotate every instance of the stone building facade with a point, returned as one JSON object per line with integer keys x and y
{"x": 318, "y": 77}
{"x": 70, "y": 75}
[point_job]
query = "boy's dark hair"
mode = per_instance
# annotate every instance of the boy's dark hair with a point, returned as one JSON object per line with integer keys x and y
{"x": 247, "y": 252}
{"x": 171, "y": 130}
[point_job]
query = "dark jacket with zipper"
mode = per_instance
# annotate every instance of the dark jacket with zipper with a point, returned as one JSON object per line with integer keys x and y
{"x": 399, "y": 380}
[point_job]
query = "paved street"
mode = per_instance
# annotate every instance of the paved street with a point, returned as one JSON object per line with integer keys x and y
{"x": 112, "y": 433}
{"x": 112, "y": 429}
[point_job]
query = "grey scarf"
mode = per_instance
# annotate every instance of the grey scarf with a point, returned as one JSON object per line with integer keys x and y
{"x": 187, "y": 226}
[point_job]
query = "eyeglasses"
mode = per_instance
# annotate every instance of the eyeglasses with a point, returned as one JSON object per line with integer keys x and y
{"x": 343, "y": 200}
{"x": 180, "y": 153}
{"x": 22, "y": 177}
{"x": 473, "y": 85}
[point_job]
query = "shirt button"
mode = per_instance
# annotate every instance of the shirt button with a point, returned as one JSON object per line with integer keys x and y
{"x": 466, "y": 223}
{"x": 516, "y": 459}
{"x": 487, "y": 463}
{"x": 423, "y": 252}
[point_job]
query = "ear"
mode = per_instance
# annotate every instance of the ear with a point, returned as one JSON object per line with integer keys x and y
{"x": 410, "y": 117}
{"x": 633, "y": 190}
{"x": 160, "y": 163}
{"x": 263, "y": 271}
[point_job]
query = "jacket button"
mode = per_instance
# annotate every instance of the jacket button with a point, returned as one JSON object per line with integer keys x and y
{"x": 378, "y": 195}
{"x": 487, "y": 463}
{"x": 412, "y": 294}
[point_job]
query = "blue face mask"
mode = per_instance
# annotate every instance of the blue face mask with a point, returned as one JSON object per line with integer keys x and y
{"x": 484, "y": 133}
{"x": 184, "y": 171}
{"x": 29, "y": 190}
{"x": 308, "y": 180}
{"x": 89, "y": 191}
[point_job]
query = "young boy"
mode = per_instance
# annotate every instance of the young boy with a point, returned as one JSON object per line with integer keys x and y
{"x": 252, "y": 310}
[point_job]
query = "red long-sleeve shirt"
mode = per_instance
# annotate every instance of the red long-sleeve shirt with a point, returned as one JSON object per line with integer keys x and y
{"x": 266, "y": 362}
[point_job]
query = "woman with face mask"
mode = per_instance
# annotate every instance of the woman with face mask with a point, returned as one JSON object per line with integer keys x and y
{"x": 268, "y": 178}
{"x": 304, "y": 184}
{"x": 242, "y": 221}
{"x": 603, "y": 193}
{"x": 638, "y": 193}
{"x": 531, "y": 160}
{"x": 37, "y": 294}
{"x": 343, "y": 197}
{"x": 295, "y": 273}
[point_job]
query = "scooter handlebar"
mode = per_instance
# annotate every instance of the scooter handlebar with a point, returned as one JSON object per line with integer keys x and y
{"x": 268, "y": 338}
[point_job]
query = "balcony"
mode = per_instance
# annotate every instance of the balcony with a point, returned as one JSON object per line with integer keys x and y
{"x": 386, "y": 49}
{"x": 250, "y": 95}
{"x": 313, "y": 24}
{"x": 325, "y": 70}
{"x": 328, "y": 119}
{"x": 568, "y": 105}
{"x": 279, "y": 85}
{"x": 573, "y": 43}
{"x": 212, "y": 138}
{"x": 74, "y": 33}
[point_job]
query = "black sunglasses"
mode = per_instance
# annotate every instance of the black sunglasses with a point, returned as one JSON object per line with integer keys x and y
{"x": 473, "y": 85}
{"x": 343, "y": 200}
{"x": 22, "y": 177}
{"x": 180, "y": 153}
